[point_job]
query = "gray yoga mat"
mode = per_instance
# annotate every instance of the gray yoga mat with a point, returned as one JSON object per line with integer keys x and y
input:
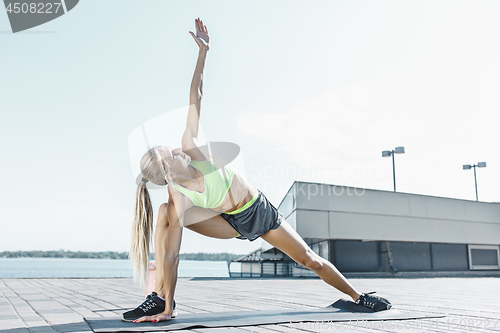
{"x": 342, "y": 310}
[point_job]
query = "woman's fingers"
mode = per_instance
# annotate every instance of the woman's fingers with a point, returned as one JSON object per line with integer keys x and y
{"x": 162, "y": 317}
{"x": 202, "y": 37}
{"x": 198, "y": 25}
{"x": 154, "y": 319}
{"x": 194, "y": 36}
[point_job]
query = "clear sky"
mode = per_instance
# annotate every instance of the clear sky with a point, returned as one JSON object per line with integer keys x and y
{"x": 310, "y": 90}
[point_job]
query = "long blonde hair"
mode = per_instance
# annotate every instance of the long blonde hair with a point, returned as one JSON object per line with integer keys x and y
{"x": 154, "y": 169}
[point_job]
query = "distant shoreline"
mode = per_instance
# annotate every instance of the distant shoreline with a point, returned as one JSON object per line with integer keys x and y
{"x": 113, "y": 255}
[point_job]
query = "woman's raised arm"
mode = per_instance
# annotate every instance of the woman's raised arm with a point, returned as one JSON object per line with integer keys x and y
{"x": 190, "y": 137}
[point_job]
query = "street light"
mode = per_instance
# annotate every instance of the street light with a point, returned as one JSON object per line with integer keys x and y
{"x": 387, "y": 153}
{"x": 479, "y": 165}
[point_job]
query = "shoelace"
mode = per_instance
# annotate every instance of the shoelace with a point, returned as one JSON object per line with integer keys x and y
{"x": 368, "y": 301}
{"x": 148, "y": 304}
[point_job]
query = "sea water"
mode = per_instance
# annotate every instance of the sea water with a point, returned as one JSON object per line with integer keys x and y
{"x": 97, "y": 268}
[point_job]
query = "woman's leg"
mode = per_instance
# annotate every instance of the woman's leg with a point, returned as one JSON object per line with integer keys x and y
{"x": 201, "y": 220}
{"x": 287, "y": 240}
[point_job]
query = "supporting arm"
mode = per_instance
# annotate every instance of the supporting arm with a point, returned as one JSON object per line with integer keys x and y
{"x": 176, "y": 207}
{"x": 171, "y": 260}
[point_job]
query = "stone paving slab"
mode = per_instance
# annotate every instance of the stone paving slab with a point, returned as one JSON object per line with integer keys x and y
{"x": 472, "y": 304}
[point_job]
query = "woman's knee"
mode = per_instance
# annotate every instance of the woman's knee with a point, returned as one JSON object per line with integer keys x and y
{"x": 312, "y": 261}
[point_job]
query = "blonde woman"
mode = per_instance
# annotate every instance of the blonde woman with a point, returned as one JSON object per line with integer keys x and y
{"x": 215, "y": 201}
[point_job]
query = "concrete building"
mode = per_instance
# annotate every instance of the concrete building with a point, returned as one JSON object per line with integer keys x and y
{"x": 363, "y": 230}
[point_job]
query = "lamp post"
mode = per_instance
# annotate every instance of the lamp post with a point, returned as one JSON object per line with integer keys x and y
{"x": 479, "y": 165}
{"x": 387, "y": 153}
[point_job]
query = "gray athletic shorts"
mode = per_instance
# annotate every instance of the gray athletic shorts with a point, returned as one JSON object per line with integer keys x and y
{"x": 256, "y": 220}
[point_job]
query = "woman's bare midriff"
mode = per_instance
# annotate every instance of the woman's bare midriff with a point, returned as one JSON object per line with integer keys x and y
{"x": 241, "y": 192}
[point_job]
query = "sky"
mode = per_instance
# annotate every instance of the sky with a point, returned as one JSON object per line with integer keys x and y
{"x": 310, "y": 91}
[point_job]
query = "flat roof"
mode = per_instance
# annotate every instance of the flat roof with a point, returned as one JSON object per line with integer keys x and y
{"x": 385, "y": 191}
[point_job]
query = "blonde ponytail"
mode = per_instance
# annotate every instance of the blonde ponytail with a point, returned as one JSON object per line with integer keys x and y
{"x": 142, "y": 233}
{"x": 142, "y": 229}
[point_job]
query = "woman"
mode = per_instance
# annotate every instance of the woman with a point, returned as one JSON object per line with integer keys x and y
{"x": 216, "y": 202}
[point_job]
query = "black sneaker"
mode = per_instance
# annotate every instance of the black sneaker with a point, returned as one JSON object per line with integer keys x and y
{"x": 153, "y": 305}
{"x": 374, "y": 302}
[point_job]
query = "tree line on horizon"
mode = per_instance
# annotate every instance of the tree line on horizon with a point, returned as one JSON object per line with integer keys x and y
{"x": 113, "y": 255}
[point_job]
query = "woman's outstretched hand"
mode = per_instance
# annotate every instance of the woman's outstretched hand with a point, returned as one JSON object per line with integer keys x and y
{"x": 202, "y": 38}
{"x": 154, "y": 319}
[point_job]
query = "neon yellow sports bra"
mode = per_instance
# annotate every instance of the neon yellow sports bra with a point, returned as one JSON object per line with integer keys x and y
{"x": 216, "y": 185}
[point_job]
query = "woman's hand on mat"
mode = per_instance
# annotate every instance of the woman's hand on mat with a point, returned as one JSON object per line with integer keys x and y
{"x": 155, "y": 318}
{"x": 202, "y": 38}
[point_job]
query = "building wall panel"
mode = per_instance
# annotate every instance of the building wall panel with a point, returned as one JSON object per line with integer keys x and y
{"x": 356, "y": 256}
{"x": 312, "y": 196}
{"x": 482, "y": 233}
{"x": 354, "y": 226}
{"x": 409, "y": 256}
{"x": 287, "y": 205}
{"x": 313, "y": 224}
{"x": 449, "y": 257}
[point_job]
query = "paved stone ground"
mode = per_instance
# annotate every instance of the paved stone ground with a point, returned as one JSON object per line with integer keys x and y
{"x": 59, "y": 305}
